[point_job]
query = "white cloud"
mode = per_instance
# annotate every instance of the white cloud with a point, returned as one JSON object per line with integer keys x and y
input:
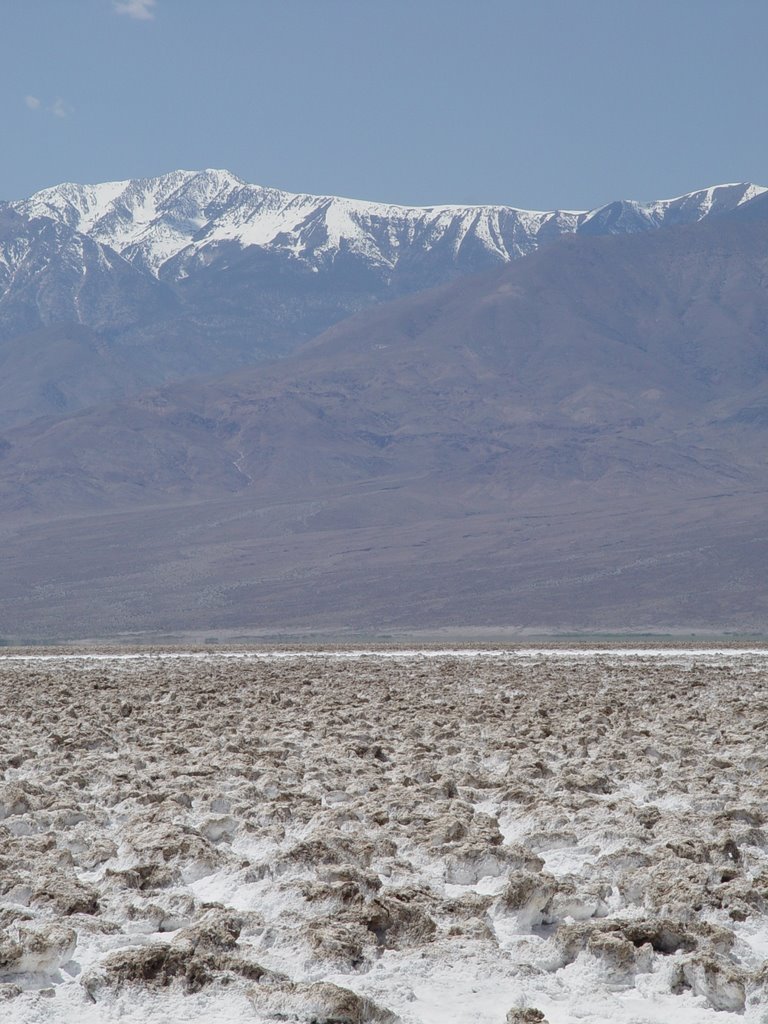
{"x": 60, "y": 108}
{"x": 142, "y": 10}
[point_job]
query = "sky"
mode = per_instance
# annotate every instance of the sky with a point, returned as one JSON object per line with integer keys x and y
{"x": 540, "y": 104}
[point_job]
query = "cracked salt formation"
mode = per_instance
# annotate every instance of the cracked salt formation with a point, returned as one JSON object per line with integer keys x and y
{"x": 371, "y": 839}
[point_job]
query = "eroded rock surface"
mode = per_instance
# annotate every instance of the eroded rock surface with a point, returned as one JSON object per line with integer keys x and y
{"x": 370, "y": 839}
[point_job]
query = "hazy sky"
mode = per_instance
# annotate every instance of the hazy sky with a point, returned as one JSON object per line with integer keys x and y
{"x": 537, "y": 103}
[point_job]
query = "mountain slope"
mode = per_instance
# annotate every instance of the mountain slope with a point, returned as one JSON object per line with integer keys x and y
{"x": 51, "y": 274}
{"x": 576, "y": 440}
{"x": 199, "y": 273}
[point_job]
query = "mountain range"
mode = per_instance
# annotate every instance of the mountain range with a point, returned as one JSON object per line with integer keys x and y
{"x": 566, "y": 433}
{"x": 108, "y": 289}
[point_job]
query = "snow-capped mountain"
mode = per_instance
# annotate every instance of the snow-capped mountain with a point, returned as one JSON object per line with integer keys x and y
{"x": 564, "y": 440}
{"x": 172, "y": 224}
{"x": 51, "y": 273}
{"x": 195, "y": 273}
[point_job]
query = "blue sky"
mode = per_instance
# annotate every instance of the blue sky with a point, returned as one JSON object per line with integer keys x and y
{"x": 537, "y": 103}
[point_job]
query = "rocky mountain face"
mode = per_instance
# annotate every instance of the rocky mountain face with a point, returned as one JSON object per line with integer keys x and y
{"x": 573, "y": 440}
{"x": 200, "y": 273}
{"x": 180, "y": 223}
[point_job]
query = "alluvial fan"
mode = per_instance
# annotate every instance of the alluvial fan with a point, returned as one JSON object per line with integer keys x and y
{"x": 350, "y": 837}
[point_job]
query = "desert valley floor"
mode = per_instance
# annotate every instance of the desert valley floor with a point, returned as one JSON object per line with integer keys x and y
{"x": 441, "y": 837}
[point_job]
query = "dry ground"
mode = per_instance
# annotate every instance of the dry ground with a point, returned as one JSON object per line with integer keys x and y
{"x": 372, "y": 838}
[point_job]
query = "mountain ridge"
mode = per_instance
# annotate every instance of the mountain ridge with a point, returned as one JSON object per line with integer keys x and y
{"x": 109, "y": 289}
{"x": 572, "y": 441}
{"x": 152, "y": 221}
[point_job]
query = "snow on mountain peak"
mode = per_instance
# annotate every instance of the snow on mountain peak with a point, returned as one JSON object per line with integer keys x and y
{"x": 146, "y": 219}
{"x": 175, "y": 216}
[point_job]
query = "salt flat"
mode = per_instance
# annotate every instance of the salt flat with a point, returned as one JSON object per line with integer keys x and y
{"x": 348, "y": 836}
